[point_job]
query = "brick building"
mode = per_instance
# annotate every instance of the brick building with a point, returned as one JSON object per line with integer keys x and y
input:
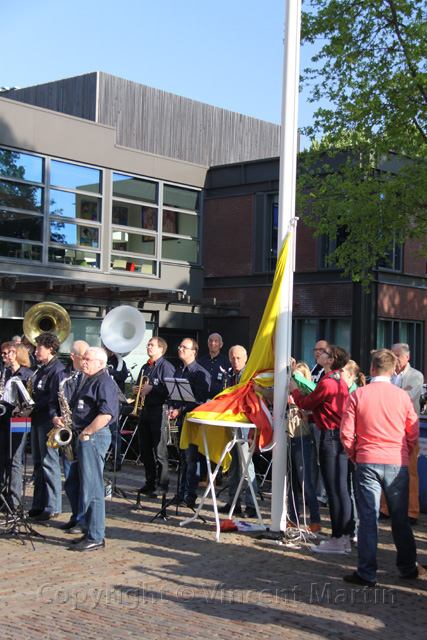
{"x": 240, "y": 232}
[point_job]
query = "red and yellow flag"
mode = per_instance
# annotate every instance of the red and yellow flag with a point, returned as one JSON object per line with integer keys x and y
{"x": 241, "y": 403}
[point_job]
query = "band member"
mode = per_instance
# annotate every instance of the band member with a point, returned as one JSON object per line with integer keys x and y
{"x": 12, "y": 445}
{"x": 71, "y": 386}
{"x": 47, "y": 471}
{"x": 152, "y": 437}
{"x": 200, "y": 381}
{"x": 216, "y": 363}
{"x": 96, "y": 407}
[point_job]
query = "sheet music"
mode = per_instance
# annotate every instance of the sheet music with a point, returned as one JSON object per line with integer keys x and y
{"x": 180, "y": 389}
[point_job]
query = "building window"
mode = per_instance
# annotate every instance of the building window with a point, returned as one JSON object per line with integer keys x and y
{"x": 21, "y": 205}
{"x": 52, "y": 211}
{"x": 391, "y": 331}
{"x": 74, "y": 214}
{"x": 266, "y": 232}
{"x": 180, "y": 224}
{"x": 307, "y": 331}
{"x": 327, "y": 246}
{"x": 392, "y": 259}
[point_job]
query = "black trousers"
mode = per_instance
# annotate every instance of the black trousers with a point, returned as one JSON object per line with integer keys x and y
{"x": 152, "y": 437}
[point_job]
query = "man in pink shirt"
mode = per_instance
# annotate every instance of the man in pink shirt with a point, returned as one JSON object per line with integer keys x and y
{"x": 379, "y": 430}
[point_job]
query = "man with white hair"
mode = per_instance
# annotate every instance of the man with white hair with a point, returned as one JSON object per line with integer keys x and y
{"x": 96, "y": 407}
{"x": 411, "y": 381}
{"x": 72, "y": 383}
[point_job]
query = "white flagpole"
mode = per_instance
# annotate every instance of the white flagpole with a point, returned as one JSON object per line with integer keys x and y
{"x": 287, "y": 188}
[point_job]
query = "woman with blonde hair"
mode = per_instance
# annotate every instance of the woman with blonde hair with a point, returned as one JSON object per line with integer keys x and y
{"x": 12, "y": 445}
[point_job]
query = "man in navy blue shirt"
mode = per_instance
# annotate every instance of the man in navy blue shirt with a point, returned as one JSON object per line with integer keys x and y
{"x": 96, "y": 407}
{"x": 200, "y": 381}
{"x": 152, "y": 434}
{"x": 217, "y": 364}
{"x": 47, "y": 497}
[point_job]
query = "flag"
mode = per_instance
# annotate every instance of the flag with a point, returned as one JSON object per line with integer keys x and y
{"x": 241, "y": 403}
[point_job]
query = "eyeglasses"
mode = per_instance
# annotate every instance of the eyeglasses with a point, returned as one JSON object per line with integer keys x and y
{"x": 319, "y": 350}
{"x": 185, "y": 348}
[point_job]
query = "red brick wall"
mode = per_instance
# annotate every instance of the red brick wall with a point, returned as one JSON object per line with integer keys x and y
{"x": 252, "y": 304}
{"x": 327, "y": 300}
{"x": 228, "y": 236}
{"x": 404, "y": 303}
{"x": 413, "y": 263}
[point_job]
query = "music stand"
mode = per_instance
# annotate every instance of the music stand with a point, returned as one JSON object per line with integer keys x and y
{"x": 16, "y": 516}
{"x": 180, "y": 390}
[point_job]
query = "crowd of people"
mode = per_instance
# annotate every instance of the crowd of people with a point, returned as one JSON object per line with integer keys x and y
{"x": 351, "y": 444}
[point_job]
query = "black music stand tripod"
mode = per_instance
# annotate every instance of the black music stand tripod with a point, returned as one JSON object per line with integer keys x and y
{"x": 17, "y": 522}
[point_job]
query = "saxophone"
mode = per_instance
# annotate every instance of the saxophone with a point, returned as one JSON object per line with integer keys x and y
{"x": 29, "y": 385}
{"x": 2, "y": 385}
{"x": 63, "y": 436}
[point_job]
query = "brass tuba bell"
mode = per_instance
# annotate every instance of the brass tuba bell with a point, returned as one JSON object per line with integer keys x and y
{"x": 46, "y": 316}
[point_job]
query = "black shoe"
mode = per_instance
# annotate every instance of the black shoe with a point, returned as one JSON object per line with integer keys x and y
{"x": 188, "y": 503}
{"x": 79, "y": 539}
{"x": 250, "y": 512}
{"x": 354, "y": 578}
{"x": 413, "y": 521}
{"x": 78, "y": 528}
{"x": 383, "y": 516}
{"x": 87, "y": 545}
{"x": 419, "y": 572}
{"x": 226, "y": 509}
{"x": 35, "y": 512}
{"x": 116, "y": 468}
{"x": 45, "y": 516}
{"x": 67, "y": 526}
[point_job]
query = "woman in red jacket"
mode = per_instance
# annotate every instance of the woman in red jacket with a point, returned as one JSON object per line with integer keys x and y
{"x": 327, "y": 403}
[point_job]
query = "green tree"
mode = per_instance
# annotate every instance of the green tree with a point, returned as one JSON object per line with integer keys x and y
{"x": 367, "y": 177}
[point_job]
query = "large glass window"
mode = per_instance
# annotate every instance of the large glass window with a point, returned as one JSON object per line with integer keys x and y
{"x": 181, "y": 197}
{"x": 18, "y": 195}
{"x": 411, "y": 332}
{"x": 21, "y": 165}
{"x": 73, "y": 176}
{"x": 65, "y": 233}
{"x": 180, "y": 224}
{"x": 133, "y": 265}
{"x": 74, "y": 205}
{"x": 134, "y": 188}
{"x": 21, "y": 226}
{"x": 74, "y": 257}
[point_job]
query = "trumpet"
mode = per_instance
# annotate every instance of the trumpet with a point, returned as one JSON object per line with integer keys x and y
{"x": 139, "y": 403}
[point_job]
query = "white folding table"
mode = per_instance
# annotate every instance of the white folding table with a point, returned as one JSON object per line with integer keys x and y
{"x": 235, "y": 440}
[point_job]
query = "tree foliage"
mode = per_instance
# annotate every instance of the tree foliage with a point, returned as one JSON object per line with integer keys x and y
{"x": 367, "y": 177}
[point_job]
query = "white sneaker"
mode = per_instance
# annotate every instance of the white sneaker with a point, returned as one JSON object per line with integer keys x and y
{"x": 347, "y": 544}
{"x": 333, "y": 545}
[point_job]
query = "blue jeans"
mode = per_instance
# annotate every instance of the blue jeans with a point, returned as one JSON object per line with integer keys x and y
{"x": 334, "y": 468}
{"x": 72, "y": 489}
{"x": 189, "y": 480}
{"x": 235, "y": 473}
{"x": 91, "y": 459}
{"x": 394, "y": 480}
{"x": 301, "y": 459}
{"x": 47, "y": 471}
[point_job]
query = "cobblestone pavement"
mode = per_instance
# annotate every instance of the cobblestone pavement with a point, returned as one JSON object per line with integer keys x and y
{"x": 160, "y": 580}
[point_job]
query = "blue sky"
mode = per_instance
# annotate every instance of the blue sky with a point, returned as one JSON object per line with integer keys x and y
{"x": 227, "y": 53}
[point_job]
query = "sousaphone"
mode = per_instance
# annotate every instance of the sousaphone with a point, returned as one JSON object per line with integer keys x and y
{"x": 46, "y": 316}
{"x": 123, "y": 329}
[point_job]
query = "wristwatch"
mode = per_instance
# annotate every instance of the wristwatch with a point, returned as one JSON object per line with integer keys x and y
{"x": 85, "y": 433}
